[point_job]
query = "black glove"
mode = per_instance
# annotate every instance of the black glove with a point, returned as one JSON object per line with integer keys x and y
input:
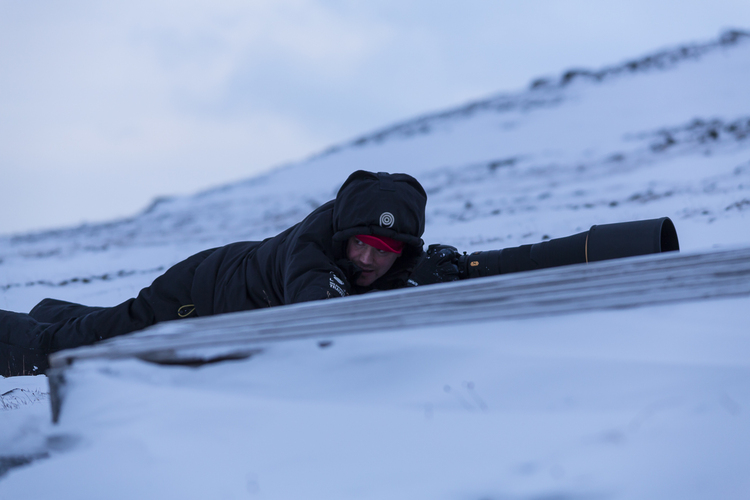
{"x": 439, "y": 264}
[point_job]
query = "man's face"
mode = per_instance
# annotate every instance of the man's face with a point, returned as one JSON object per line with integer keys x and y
{"x": 373, "y": 262}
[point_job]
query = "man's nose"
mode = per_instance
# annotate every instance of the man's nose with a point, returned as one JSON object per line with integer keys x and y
{"x": 367, "y": 256}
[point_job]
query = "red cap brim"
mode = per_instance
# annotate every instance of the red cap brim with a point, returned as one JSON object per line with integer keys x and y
{"x": 381, "y": 243}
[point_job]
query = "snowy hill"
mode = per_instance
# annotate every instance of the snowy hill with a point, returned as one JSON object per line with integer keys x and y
{"x": 646, "y": 402}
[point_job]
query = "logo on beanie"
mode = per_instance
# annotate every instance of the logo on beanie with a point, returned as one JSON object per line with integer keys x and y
{"x": 387, "y": 219}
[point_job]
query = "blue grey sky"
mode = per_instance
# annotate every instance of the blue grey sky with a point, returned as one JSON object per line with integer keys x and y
{"x": 106, "y": 105}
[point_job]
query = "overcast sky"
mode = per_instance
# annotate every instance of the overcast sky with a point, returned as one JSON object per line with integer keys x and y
{"x": 106, "y": 105}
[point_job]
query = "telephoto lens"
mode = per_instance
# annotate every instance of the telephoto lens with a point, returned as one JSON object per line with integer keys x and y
{"x": 601, "y": 242}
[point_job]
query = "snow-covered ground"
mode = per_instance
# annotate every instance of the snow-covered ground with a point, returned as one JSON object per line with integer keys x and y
{"x": 650, "y": 402}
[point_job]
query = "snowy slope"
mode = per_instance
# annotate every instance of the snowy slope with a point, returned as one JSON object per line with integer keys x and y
{"x": 641, "y": 403}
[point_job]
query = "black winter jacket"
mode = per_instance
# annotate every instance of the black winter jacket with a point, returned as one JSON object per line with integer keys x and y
{"x": 305, "y": 262}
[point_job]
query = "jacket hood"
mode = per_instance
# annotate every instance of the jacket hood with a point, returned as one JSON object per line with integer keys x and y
{"x": 380, "y": 204}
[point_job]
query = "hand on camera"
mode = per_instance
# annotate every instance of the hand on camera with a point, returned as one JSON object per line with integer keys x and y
{"x": 437, "y": 265}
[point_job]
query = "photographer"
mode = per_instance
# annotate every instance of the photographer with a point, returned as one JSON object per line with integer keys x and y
{"x": 368, "y": 238}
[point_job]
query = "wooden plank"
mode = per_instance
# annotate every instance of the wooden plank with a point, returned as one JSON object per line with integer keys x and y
{"x": 635, "y": 282}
